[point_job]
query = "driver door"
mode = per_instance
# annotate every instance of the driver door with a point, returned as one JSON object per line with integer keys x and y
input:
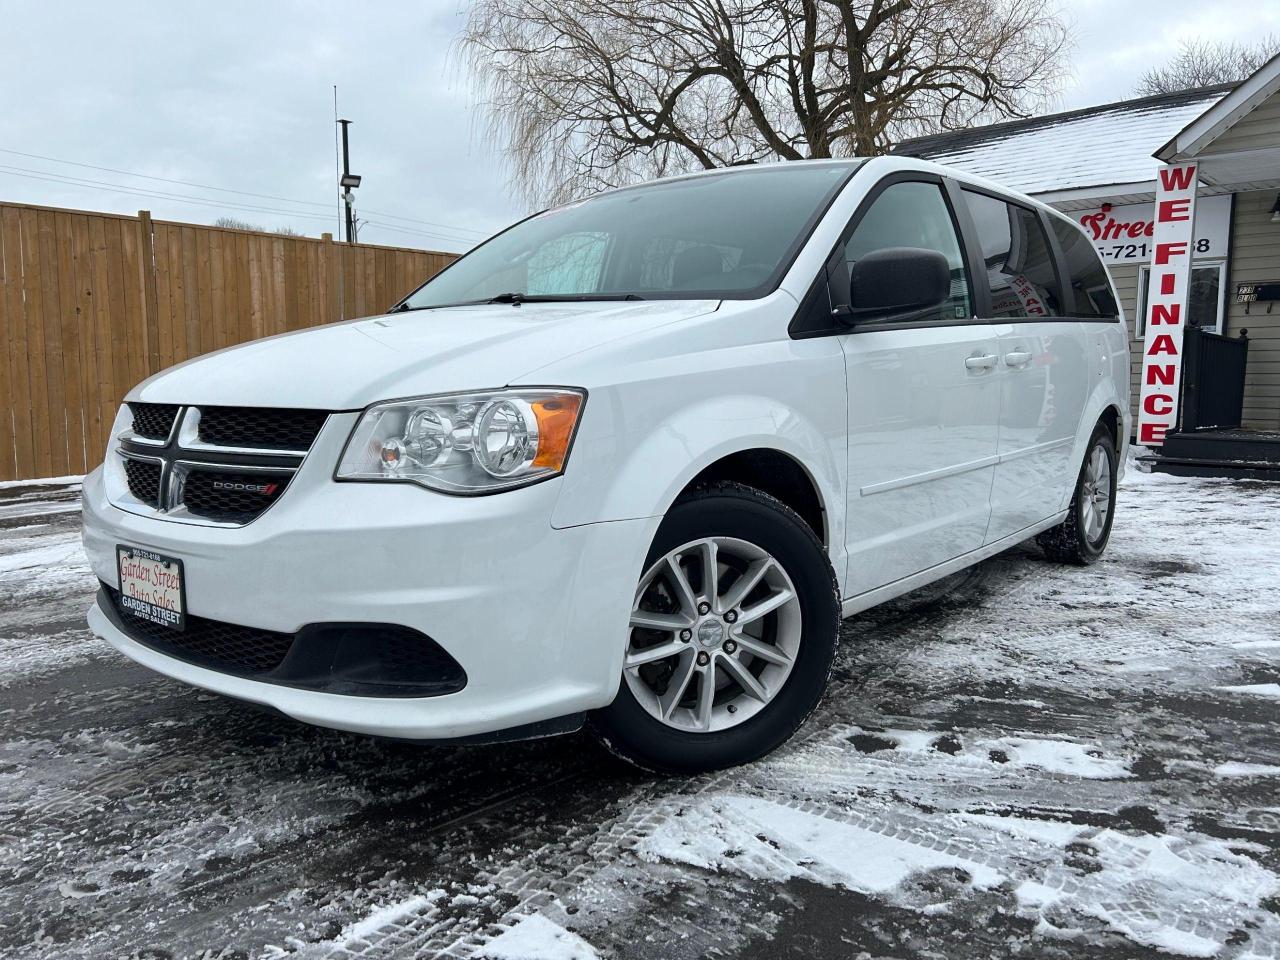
{"x": 924, "y": 402}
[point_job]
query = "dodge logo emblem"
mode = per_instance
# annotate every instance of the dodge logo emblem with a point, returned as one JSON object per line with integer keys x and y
{"x": 235, "y": 486}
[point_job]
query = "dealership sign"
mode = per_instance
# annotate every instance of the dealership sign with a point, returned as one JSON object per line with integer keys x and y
{"x": 1170, "y": 277}
{"x": 1126, "y": 234}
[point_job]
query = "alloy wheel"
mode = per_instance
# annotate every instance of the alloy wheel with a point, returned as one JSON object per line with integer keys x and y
{"x": 1095, "y": 494}
{"x": 715, "y": 631}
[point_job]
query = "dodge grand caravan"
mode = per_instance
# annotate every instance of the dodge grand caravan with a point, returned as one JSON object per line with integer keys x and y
{"x": 626, "y": 464}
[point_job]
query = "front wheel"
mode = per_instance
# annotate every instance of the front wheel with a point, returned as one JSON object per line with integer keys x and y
{"x": 733, "y": 629}
{"x": 1082, "y": 536}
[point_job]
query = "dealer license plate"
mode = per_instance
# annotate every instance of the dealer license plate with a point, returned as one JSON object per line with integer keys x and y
{"x": 151, "y": 586}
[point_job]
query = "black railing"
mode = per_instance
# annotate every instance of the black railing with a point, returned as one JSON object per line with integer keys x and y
{"x": 1212, "y": 379}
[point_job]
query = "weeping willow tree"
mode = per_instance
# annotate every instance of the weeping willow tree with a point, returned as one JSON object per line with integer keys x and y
{"x": 585, "y": 94}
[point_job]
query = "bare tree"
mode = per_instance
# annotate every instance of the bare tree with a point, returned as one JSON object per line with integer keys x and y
{"x": 235, "y": 223}
{"x": 586, "y": 94}
{"x": 1202, "y": 63}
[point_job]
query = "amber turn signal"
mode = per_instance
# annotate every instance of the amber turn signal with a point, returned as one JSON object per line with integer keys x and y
{"x": 557, "y": 416}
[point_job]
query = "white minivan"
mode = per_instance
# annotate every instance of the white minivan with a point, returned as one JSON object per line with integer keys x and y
{"x": 626, "y": 464}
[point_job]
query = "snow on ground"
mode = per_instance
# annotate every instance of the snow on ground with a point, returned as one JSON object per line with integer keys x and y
{"x": 44, "y": 577}
{"x": 1026, "y": 758}
{"x": 536, "y": 936}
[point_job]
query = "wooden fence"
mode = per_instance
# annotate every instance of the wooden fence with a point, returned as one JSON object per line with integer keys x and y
{"x": 92, "y": 303}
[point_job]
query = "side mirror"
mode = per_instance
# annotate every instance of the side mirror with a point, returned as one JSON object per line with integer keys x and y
{"x": 897, "y": 280}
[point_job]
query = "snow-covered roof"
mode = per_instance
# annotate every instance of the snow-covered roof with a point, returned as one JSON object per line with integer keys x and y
{"x": 1101, "y": 146}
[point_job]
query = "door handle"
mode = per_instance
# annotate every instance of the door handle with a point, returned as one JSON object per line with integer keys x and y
{"x": 983, "y": 362}
{"x": 1017, "y": 358}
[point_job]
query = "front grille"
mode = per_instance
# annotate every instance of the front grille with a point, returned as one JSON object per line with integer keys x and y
{"x": 243, "y": 651}
{"x": 153, "y": 420}
{"x": 213, "y": 464}
{"x": 260, "y": 428}
{"x": 229, "y": 497}
{"x": 144, "y": 480}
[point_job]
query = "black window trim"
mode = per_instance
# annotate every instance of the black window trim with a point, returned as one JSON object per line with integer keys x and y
{"x": 1065, "y": 274}
{"x": 835, "y": 269}
{"x": 803, "y": 327}
{"x": 1066, "y": 298}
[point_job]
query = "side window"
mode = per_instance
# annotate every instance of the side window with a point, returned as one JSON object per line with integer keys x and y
{"x": 914, "y": 214}
{"x": 1087, "y": 274}
{"x": 1016, "y": 253}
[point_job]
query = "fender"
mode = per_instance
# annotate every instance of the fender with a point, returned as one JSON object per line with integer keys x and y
{"x": 1105, "y": 394}
{"x": 621, "y": 472}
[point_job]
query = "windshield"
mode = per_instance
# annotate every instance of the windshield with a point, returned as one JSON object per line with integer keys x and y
{"x": 729, "y": 235}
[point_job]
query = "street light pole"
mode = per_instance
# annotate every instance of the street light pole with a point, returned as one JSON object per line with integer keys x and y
{"x": 348, "y": 181}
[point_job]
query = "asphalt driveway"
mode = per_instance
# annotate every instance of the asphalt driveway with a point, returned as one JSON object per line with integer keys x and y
{"x": 1025, "y": 758}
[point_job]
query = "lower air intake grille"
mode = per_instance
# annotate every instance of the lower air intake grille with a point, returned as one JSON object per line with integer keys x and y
{"x": 144, "y": 480}
{"x": 350, "y": 659}
{"x": 153, "y": 420}
{"x": 243, "y": 651}
{"x": 231, "y": 497}
{"x": 260, "y": 428}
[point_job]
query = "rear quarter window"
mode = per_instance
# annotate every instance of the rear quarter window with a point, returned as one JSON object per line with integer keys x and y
{"x": 1015, "y": 253}
{"x": 1089, "y": 281}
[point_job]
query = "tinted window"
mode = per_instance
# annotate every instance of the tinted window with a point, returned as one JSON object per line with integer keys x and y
{"x": 913, "y": 214}
{"x": 1088, "y": 276}
{"x": 728, "y": 234}
{"x": 1016, "y": 253}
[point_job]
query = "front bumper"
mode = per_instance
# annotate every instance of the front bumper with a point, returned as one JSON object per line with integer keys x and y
{"x": 536, "y": 616}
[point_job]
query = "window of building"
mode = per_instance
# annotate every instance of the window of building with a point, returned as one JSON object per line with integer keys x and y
{"x": 1204, "y": 307}
{"x": 1015, "y": 251}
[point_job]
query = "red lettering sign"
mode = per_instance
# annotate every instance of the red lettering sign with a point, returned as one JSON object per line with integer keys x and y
{"x": 1170, "y": 210}
{"x": 1175, "y": 210}
{"x": 1152, "y": 434}
{"x": 1173, "y": 179}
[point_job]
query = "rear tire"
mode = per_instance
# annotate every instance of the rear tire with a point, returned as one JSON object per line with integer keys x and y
{"x": 721, "y": 671}
{"x": 1083, "y": 536}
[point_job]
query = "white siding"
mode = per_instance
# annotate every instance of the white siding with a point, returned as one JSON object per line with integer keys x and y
{"x": 1259, "y": 130}
{"x": 1255, "y": 256}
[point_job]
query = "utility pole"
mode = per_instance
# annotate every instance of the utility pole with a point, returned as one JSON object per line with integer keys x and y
{"x": 348, "y": 181}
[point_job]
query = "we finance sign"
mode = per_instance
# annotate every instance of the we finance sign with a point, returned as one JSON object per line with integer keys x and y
{"x": 1172, "y": 249}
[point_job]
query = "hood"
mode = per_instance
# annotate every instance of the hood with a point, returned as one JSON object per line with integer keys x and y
{"x": 347, "y": 366}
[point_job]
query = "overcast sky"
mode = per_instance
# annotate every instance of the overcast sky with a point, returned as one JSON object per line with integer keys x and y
{"x": 240, "y": 96}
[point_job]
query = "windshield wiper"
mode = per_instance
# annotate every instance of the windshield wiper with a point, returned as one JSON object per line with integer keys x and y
{"x": 515, "y": 299}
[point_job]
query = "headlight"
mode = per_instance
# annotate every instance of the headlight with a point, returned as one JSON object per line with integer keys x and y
{"x": 465, "y": 442}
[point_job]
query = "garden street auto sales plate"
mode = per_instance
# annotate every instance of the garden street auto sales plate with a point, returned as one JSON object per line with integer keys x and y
{"x": 151, "y": 586}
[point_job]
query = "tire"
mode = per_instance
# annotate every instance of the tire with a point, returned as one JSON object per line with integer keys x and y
{"x": 769, "y": 670}
{"x": 1082, "y": 537}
